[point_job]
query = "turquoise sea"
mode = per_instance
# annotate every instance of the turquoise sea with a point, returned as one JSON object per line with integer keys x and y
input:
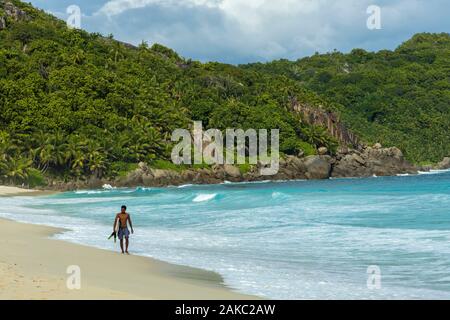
{"x": 283, "y": 240}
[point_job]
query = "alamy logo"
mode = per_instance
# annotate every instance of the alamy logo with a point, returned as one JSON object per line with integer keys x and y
{"x": 373, "y": 278}
{"x": 74, "y": 19}
{"x": 374, "y": 20}
{"x": 74, "y": 279}
{"x": 240, "y": 146}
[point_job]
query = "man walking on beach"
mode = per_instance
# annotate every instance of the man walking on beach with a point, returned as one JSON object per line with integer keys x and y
{"x": 123, "y": 219}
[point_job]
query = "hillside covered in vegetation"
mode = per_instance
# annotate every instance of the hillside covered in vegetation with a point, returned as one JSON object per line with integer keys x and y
{"x": 399, "y": 98}
{"x": 75, "y": 104}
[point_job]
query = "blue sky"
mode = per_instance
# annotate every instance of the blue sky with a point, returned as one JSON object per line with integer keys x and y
{"x": 241, "y": 31}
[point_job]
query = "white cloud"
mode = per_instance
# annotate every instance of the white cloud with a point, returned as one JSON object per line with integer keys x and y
{"x": 115, "y": 7}
{"x": 263, "y": 29}
{"x": 240, "y": 31}
{"x": 239, "y": 9}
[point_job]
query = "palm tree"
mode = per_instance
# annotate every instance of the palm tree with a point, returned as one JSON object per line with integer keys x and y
{"x": 78, "y": 163}
{"x": 96, "y": 164}
{"x": 73, "y": 148}
{"x": 46, "y": 156}
{"x": 315, "y": 135}
{"x": 3, "y": 164}
{"x": 17, "y": 170}
{"x": 78, "y": 57}
{"x": 60, "y": 147}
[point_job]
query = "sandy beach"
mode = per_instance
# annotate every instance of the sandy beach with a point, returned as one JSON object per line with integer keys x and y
{"x": 15, "y": 191}
{"x": 10, "y": 191}
{"x": 34, "y": 266}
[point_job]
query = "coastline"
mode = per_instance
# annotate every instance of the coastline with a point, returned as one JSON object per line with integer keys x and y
{"x": 8, "y": 191}
{"x": 369, "y": 162}
{"x": 29, "y": 283}
{"x": 33, "y": 266}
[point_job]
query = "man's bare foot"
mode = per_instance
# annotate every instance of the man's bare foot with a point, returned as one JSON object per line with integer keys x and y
{"x": 123, "y": 252}
{"x": 127, "y": 252}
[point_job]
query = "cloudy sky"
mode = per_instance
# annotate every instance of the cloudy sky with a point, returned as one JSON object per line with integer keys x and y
{"x": 241, "y": 31}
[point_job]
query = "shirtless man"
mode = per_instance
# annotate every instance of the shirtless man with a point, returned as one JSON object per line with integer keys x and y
{"x": 123, "y": 218}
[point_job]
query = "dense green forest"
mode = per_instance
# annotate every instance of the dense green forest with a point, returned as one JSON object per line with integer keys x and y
{"x": 399, "y": 98}
{"x": 75, "y": 104}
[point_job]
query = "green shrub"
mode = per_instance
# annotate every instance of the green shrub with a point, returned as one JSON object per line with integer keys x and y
{"x": 244, "y": 168}
{"x": 307, "y": 148}
{"x": 121, "y": 169}
{"x": 166, "y": 165}
{"x": 35, "y": 178}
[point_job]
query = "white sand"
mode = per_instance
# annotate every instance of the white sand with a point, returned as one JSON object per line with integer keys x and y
{"x": 32, "y": 266}
{"x": 8, "y": 191}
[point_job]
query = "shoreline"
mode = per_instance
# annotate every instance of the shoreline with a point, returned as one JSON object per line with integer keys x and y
{"x": 118, "y": 185}
{"x": 368, "y": 162}
{"x": 33, "y": 266}
{"x": 10, "y": 191}
{"x": 28, "y": 284}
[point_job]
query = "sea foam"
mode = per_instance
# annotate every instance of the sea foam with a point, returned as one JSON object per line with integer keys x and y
{"x": 294, "y": 240}
{"x": 204, "y": 197}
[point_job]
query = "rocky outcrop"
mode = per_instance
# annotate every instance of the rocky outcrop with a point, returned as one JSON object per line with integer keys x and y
{"x": 371, "y": 161}
{"x": 322, "y": 151}
{"x": 347, "y": 163}
{"x": 232, "y": 171}
{"x": 365, "y": 163}
{"x": 444, "y": 164}
{"x": 292, "y": 168}
{"x": 13, "y": 12}
{"x": 318, "y": 167}
{"x": 2, "y": 23}
{"x": 318, "y": 116}
{"x": 312, "y": 167}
